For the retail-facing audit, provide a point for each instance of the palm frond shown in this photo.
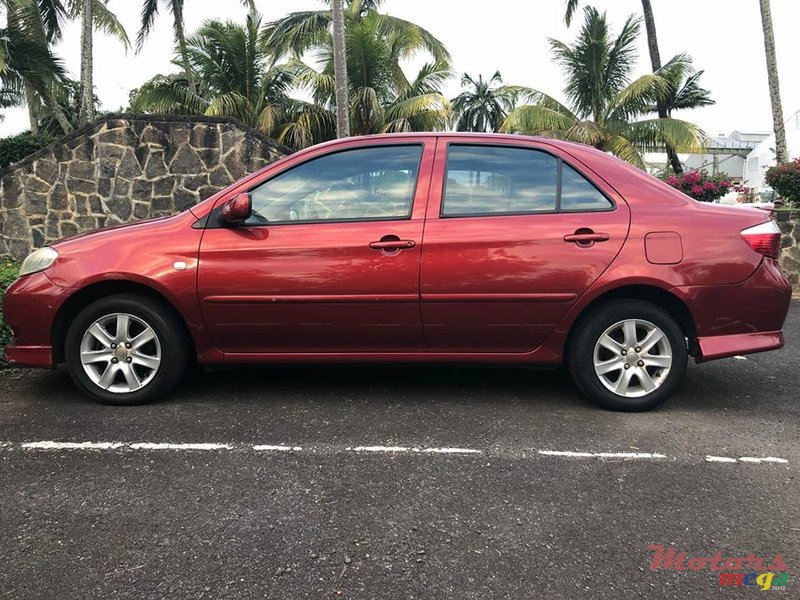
(652, 133)
(107, 22)
(534, 119)
(623, 149)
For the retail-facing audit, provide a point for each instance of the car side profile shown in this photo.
(413, 248)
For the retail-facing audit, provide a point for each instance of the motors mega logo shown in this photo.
(749, 571)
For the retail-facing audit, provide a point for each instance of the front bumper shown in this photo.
(30, 305)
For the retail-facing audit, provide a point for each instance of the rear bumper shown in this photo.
(724, 346)
(740, 319)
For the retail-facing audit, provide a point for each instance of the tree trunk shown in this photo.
(30, 100)
(655, 62)
(781, 151)
(340, 71)
(63, 122)
(181, 36)
(652, 36)
(87, 81)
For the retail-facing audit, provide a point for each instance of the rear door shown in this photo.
(329, 262)
(516, 233)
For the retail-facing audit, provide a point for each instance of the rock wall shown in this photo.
(789, 222)
(123, 168)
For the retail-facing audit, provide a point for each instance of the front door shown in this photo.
(329, 261)
(515, 235)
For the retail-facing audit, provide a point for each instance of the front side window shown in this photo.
(490, 180)
(376, 183)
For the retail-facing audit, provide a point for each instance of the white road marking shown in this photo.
(740, 357)
(767, 459)
(720, 459)
(569, 454)
(72, 445)
(151, 446)
(451, 451)
(332, 449)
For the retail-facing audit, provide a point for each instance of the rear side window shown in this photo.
(486, 180)
(578, 194)
(496, 180)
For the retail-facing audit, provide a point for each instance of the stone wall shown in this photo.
(789, 222)
(123, 168)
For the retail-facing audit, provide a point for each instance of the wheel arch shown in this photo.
(95, 291)
(647, 293)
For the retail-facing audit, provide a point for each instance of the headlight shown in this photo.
(38, 260)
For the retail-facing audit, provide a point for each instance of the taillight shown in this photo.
(764, 239)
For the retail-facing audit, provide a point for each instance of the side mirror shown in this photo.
(236, 210)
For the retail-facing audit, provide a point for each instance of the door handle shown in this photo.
(586, 237)
(392, 243)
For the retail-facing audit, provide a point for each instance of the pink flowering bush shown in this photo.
(785, 179)
(700, 185)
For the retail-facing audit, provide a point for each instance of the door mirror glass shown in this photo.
(236, 210)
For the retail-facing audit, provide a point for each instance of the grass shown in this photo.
(8, 273)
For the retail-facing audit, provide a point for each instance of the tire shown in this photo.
(103, 367)
(653, 374)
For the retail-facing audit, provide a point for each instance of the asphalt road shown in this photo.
(397, 482)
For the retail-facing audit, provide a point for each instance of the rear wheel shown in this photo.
(126, 349)
(628, 355)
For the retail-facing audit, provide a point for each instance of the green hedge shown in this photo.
(8, 273)
(17, 147)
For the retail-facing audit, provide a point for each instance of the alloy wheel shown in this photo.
(632, 358)
(120, 353)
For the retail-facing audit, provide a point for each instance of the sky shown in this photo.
(723, 36)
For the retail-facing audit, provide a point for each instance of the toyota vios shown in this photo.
(426, 247)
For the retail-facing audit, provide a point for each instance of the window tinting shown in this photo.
(363, 184)
(578, 194)
(486, 180)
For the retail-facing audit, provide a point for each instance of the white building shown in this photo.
(726, 154)
(763, 156)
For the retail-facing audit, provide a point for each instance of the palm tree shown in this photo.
(28, 70)
(149, 14)
(40, 22)
(87, 62)
(340, 71)
(684, 91)
(781, 151)
(605, 106)
(649, 22)
(655, 62)
(93, 15)
(300, 32)
(484, 104)
(382, 99)
(234, 77)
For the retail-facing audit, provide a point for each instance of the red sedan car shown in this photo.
(426, 247)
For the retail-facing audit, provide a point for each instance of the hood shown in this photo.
(97, 234)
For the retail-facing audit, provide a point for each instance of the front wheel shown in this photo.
(628, 355)
(126, 349)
